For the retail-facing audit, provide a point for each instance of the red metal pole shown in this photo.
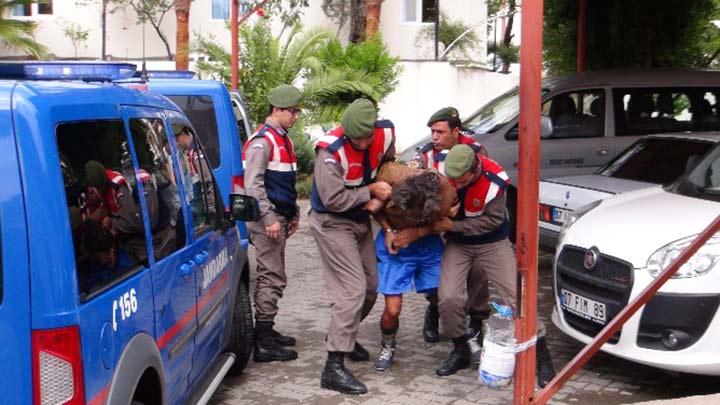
(582, 19)
(234, 48)
(527, 200)
(630, 309)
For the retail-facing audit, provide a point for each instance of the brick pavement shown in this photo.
(304, 313)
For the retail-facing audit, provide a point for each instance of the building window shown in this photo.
(32, 9)
(419, 11)
(221, 9)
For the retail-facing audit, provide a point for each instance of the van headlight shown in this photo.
(575, 215)
(702, 262)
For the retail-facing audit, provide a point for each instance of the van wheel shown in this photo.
(511, 207)
(241, 335)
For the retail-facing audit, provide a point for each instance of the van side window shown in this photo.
(160, 192)
(103, 204)
(1, 264)
(640, 111)
(201, 112)
(578, 114)
(198, 185)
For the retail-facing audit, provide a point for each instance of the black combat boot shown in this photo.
(475, 342)
(337, 378)
(459, 358)
(358, 353)
(543, 363)
(266, 348)
(283, 340)
(430, 327)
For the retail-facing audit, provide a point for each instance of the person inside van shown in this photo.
(115, 196)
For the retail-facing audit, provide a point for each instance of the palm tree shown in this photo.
(267, 61)
(19, 34)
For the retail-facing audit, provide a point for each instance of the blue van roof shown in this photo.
(97, 96)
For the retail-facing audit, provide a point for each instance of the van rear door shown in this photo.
(15, 368)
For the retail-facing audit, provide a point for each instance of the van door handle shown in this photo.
(187, 268)
(601, 152)
(201, 258)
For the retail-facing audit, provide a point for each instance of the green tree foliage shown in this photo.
(17, 34)
(333, 76)
(77, 35)
(640, 33)
(153, 12)
(450, 30)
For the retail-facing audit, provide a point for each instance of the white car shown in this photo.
(652, 160)
(612, 249)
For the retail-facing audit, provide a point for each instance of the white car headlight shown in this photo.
(703, 261)
(575, 215)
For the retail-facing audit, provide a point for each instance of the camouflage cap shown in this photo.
(284, 96)
(95, 173)
(459, 161)
(359, 119)
(448, 114)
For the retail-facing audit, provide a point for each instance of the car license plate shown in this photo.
(582, 306)
(560, 215)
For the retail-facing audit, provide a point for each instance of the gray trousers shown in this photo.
(271, 279)
(348, 256)
(492, 261)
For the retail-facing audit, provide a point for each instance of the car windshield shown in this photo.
(497, 113)
(704, 180)
(656, 160)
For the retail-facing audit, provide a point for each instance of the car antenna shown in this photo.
(143, 72)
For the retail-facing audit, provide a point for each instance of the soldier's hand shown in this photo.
(454, 209)
(443, 225)
(373, 206)
(273, 231)
(380, 190)
(406, 236)
(292, 228)
(390, 242)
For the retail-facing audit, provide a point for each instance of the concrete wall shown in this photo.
(426, 87)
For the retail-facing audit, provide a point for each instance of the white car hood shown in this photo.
(634, 225)
(600, 183)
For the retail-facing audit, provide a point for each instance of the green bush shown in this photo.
(304, 186)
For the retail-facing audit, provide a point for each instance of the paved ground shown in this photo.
(304, 314)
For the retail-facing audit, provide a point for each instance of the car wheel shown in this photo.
(241, 335)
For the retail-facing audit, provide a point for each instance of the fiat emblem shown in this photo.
(591, 258)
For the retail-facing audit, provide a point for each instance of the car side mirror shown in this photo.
(244, 208)
(546, 127)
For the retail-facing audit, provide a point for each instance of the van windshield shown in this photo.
(704, 181)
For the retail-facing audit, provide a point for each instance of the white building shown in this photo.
(425, 85)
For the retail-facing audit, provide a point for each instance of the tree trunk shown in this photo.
(372, 17)
(357, 21)
(103, 29)
(507, 36)
(182, 37)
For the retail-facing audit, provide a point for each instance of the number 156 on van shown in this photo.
(127, 305)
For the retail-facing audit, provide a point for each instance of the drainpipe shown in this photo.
(437, 27)
(526, 244)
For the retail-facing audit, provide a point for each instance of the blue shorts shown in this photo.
(417, 264)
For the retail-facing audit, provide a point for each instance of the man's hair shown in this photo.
(454, 122)
(95, 238)
(419, 196)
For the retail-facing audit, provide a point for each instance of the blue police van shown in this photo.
(121, 271)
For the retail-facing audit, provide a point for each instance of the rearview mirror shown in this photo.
(546, 127)
(244, 208)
